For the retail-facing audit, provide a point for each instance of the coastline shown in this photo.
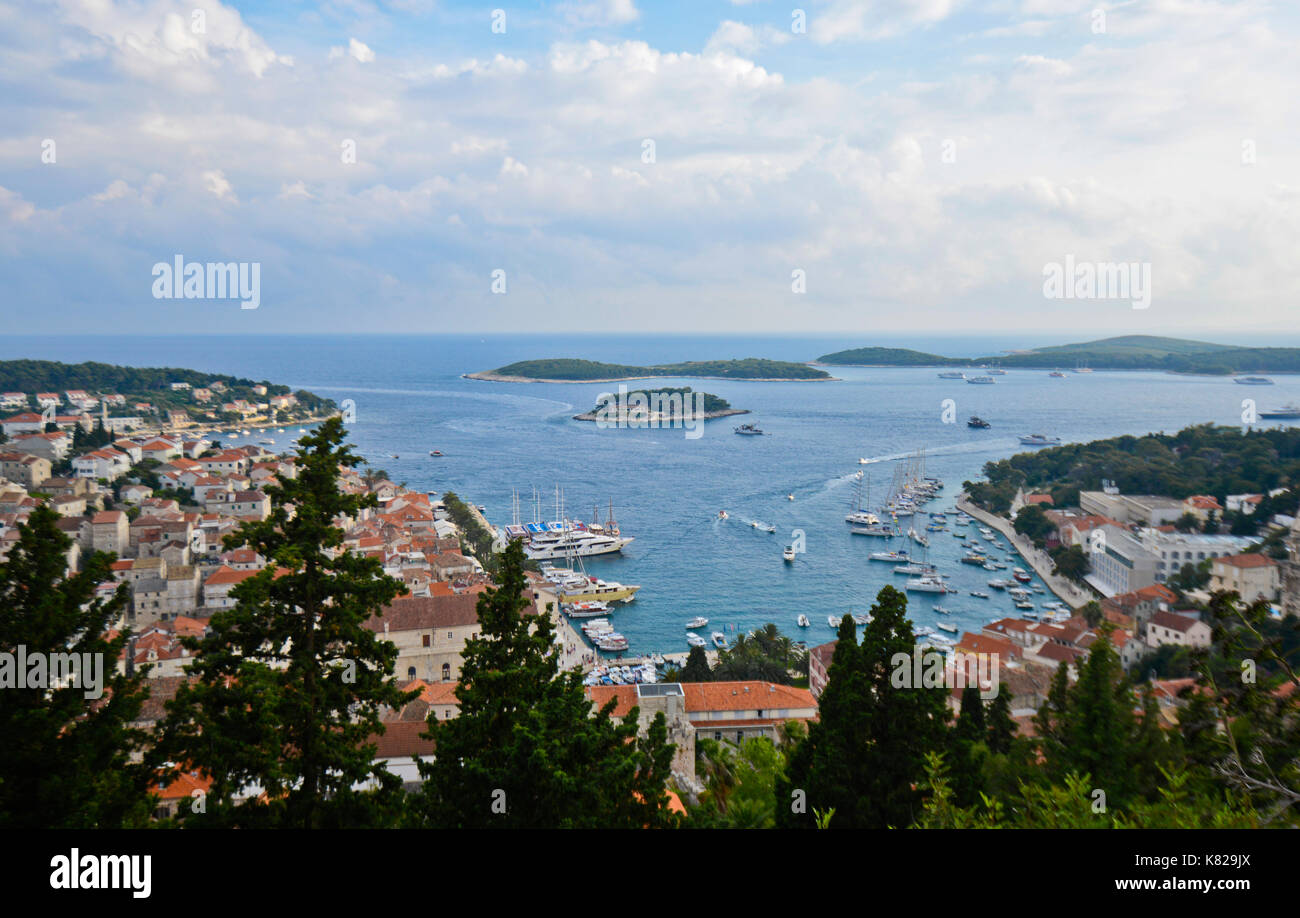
(488, 376)
(670, 420)
(260, 425)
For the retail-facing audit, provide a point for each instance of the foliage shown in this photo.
(749, 368)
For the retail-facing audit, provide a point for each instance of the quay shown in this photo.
(1041, 563)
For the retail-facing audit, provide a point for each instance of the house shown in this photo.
(217, 587)
(160, 449)
(1243, 503)
(107, 463)
(1201, 506)
(134, 493)
(430, 634)
(1251, 576)
(26, 470)
(1171, 628)
(27, 422)
(225, 462)
(48, 399)
(53, 446)
(239, 503)
(110, 531)
(11, 400)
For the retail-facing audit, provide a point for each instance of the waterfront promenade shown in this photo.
(1067, 592)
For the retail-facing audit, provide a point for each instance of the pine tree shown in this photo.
(65, 759)
(290, 683)
(525, 750)
(696, 668)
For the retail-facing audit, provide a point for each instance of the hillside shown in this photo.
(573, 370)
(1127, 352)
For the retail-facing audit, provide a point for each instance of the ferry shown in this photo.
(1040, 440)
(698, 622)
(1253, 381)
(803, 622)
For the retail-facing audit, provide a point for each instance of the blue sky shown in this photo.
(917, 162)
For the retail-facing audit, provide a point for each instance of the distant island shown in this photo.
(753, 369)
(1128, 352)
(662, 405)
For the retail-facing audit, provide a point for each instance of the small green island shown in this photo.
(1126, 352)
(655, 406)
(753, 369)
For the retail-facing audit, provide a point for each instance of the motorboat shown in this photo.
(1253, 381)
(944, 626)
(722, 514)
(695, 640)
(978, 423)
(980, 380)
(788, 554)
(789, 497)
(435, 452)
(698, 622)
(834, 622)
(1285, 413)
(930, 584)
(749, 430)
(719, 640)
(980, 593)
(802, 621)
(1040, 440)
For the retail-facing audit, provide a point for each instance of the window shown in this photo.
(410, 672)
(740, 737)
(427, 639)
(449, 635)
(446, 672)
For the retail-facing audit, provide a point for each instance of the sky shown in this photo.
(856, 166)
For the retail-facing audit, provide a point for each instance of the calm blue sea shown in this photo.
(667, 489)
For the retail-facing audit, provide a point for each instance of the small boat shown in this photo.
(980, 380)
(952, 374)
(1057, 374)
(1024, 605)
(394, 456)
(899, 557)
(941, 610)
(1021, 574)
(788, 554)
(944, 626)
(980, 593)
(719, 640)
(862, 618)
(926, 585)
(1040, 440)
(694, 639)
(834, 622)
(698, 622)
(266, 442)
(435, 452)
(864, 462)
(722, 514)
(978, 423)
(789, 497)
(923, 631)
(749, 430)
(1253, 381)
(802, 621)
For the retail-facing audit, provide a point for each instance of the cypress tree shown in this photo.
(290, 683)
(525, 750)
(65, 759)
(1002, 728)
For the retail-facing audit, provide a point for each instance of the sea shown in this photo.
(501, 439)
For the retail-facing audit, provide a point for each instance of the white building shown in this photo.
(1174, 549)
(1120, 564)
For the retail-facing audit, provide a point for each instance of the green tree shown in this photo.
(290, 683)
(66, 760)
(1002, 727)
(1070, 562)
(526, 750)
(696, 668)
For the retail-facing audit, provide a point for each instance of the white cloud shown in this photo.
(871, 20)
(357, 50)
(599, 13)
(218, 185)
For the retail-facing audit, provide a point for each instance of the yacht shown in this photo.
(749, 430)
(917, 569)
(980, 380)
(834, 622)
(1040, 440)
(590, 589)
(931, 584)
(788, 554)
(698, 622)
(999, 584)
(1021, 574)
(719, 640)
(694, 639)
(803, 622)
(974, 557)
(900, 557)
(944, 626)
(581, 610)
(1057, 374)
(1286, 412)
(435, 452)
(978, 422)
(980, 593)
(952, 374)
(873, 528)
(1253, 381)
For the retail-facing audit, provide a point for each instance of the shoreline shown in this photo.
(657, 418)
(187, 431)
(489, 376)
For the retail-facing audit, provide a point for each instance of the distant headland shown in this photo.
(751, 369)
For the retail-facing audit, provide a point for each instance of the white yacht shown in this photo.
(698, 622)
(803, 621)
(694, 639)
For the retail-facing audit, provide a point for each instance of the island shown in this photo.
(661, 406)
(1127, 352)
(751, 369)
